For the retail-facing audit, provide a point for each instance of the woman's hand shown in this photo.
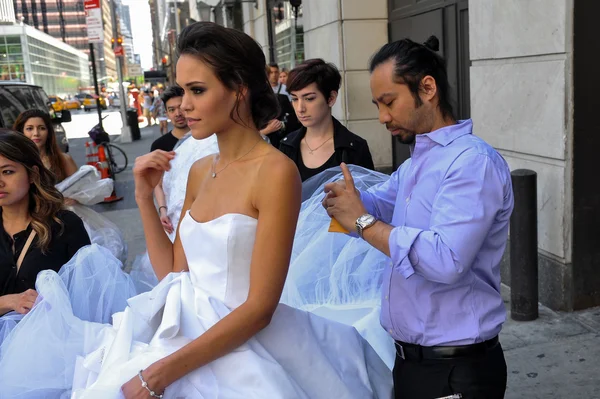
(166, 220)
(22, 303)
(148, 171)
(273, 126)
(133, 388)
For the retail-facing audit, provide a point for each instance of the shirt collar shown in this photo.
(448, 134)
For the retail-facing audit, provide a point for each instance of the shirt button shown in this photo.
(407, 199)
(390, 331)
(386, 298)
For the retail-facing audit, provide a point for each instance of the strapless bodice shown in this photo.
(219, 253)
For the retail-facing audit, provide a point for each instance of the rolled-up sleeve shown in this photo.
(463, 212)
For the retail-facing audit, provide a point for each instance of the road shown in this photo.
(83, 122)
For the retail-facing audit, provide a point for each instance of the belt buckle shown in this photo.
(398, 346)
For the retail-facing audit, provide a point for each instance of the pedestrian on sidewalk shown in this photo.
(147, 103)
(442, 218)
(160, 113)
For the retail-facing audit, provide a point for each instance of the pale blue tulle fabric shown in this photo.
(332, 275)
(91, 287)
(335, 275)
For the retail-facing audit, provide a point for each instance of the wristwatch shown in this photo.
(364, 222)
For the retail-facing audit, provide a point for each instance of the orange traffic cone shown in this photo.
(103, 163)
(94, 155)
(88, 154)
(105, 173)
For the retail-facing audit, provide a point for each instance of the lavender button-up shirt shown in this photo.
(450, 205)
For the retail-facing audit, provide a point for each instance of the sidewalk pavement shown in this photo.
(123, 213)
(555, 356)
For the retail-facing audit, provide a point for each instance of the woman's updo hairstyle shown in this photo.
(237, 61)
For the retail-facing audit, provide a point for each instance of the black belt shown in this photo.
(418, 352)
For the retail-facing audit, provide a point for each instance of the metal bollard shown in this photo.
(524, 247)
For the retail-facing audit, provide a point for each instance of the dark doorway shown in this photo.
(449, 21)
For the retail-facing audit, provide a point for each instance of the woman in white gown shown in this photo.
(174, 183)
(213, 327)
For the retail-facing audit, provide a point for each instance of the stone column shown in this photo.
(522, 104)
(347, 33)
(255, 24)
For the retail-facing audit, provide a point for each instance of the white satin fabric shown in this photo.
(299, 355)
(175, 179)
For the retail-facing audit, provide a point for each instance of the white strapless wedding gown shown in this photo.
(299, 355)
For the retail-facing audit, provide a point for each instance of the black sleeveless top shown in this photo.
(306, 172)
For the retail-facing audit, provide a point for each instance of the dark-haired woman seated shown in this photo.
(37, 126)
(323, 142)
(36, 233)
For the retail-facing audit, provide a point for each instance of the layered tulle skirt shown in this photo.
(53, 353)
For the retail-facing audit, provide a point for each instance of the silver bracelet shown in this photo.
(145, 385)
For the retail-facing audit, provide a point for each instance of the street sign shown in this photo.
(119, 51)
(93, 18)
(134, 70)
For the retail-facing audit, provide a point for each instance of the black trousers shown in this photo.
(481, 376)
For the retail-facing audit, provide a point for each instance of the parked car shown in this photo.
(72, 103)
(89, 102)
(57, 103)
(17, 97)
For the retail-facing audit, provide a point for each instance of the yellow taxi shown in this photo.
(57, 103)
(88, 101)
(72, 104)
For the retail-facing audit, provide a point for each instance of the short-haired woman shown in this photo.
(36, 233)
(323, 142)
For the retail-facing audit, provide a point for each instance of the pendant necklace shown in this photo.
(311, 150)
(214, 172)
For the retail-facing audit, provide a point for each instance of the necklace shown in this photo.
(311, 150)
(214, 165)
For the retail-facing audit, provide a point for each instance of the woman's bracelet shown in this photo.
(162, 206)
(145, 385)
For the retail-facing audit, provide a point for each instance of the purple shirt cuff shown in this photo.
(404, 258)
(367, 201)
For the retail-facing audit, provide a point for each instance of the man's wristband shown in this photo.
(163, 206)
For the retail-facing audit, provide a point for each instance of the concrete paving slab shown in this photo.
(564, 368)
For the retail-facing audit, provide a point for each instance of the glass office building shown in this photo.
(28, 55)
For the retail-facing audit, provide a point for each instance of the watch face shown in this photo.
(365, 220)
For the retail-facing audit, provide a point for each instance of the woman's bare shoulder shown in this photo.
(203, 164)
(278, 168)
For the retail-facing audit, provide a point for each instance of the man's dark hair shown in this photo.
(171, 92)
(414, 61)
(273, 65)
(325, 75)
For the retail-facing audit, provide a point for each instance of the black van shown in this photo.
(17, 97)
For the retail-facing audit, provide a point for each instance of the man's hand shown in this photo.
(165, 220)
(273, 126)
(342, 201)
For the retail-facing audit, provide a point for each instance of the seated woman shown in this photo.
(36, 125)
(323, 142)
(36, 233)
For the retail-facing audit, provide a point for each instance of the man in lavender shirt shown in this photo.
(442, 218)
